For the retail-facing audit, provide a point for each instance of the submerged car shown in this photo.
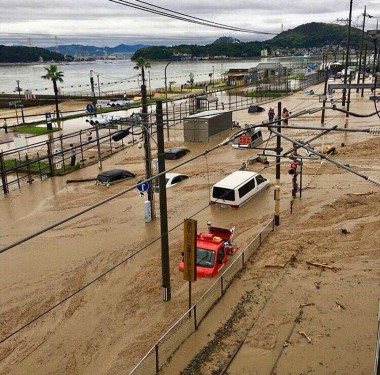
(255, 109)
(175, 153)
(113, 176)
(174, 178)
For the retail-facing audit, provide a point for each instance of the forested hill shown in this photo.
(21, 54)
(306, 36)
(317, 34)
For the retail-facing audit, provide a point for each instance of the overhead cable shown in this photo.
(187, 18)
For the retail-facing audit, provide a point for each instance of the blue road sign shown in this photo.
(90, 108)
(142, 186)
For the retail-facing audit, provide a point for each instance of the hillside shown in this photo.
(21, 54)
(93, 51)
(306, 36)
(316, 34)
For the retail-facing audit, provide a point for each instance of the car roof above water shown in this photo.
(111, 172)
(236, 179)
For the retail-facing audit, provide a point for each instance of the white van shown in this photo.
(237, 188)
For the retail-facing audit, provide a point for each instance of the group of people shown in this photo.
(284, 115)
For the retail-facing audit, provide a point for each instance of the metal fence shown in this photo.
(165, 347)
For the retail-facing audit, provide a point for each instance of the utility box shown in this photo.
(203, 126)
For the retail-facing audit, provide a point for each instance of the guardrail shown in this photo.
(189, 322)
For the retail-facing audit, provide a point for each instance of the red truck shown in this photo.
(213, 248)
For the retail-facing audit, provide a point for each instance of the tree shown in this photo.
(54, 75)
(142, 64)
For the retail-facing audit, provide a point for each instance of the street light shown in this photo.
(166, 99)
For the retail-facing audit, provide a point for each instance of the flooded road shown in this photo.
(113, 256)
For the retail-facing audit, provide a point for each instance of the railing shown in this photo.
(189, 322)
(56, 156)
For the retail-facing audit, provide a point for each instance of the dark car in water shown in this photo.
(255, 109)
(175, 153)
(113, 176)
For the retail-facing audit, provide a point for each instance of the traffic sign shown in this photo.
(90, 108)
(142, 186)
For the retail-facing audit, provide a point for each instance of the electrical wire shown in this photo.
(186, 18)
(204, 153)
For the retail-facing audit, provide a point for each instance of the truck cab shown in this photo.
(213, 249)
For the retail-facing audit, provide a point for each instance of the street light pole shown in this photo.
(100, 165)
(150, 89)
(19, 95)
(166, 100)
(347, 56)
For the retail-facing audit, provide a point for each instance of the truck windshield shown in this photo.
(205, 258)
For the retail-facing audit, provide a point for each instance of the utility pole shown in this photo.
(324, 95)
(166, 99)
(361, 48)
(19, 89)
(347, 55)
(147, 149)
(98, 85)
(96, 125)
(277, 187)
(166, 291)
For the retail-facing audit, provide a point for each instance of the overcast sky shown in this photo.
(104, 23)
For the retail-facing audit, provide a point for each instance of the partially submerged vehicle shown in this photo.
(213, 249)
(249, 138)
(103, 120)
(121, 102)
(175, 153)
(113, 176)
(174, 178)
(237, 188)
(255, 109)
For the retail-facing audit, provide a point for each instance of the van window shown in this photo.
(246, 188)
(260, 179)
(223, 193)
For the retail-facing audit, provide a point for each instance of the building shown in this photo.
(203, 126)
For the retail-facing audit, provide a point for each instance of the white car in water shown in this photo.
(120, 102)
(174, 178)
(103, 120)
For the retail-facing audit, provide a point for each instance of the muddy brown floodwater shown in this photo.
(107, 327)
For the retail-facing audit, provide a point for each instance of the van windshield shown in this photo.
(205, 258)
(223, 193)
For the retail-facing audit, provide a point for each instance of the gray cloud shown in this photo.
(101, 22)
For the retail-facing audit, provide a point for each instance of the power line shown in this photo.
(204, 153)
(186, 18)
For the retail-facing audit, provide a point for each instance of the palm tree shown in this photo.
(142, 64)
(53, 74)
